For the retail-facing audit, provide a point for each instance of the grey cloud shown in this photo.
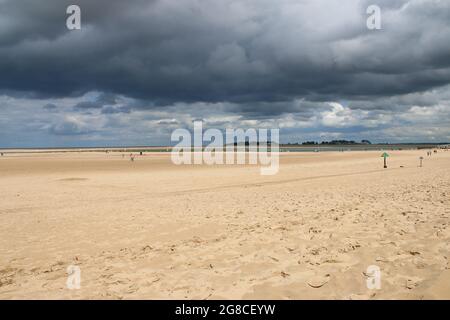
(50, 106)
(168, 122)
(69, 127)
(86, 105)
(114, 110)
(107, 99)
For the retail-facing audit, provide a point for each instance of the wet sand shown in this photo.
(149, 229)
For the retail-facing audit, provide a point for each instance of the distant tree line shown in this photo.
(332, 142)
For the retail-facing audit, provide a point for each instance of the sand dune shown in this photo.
(149, 229)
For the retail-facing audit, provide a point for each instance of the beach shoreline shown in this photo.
(149, 229)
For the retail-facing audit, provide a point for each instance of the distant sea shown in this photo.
(368, 147)
(283, 148)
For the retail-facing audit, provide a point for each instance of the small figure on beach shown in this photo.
(131, 157)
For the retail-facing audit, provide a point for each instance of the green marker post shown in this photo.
(385, 155)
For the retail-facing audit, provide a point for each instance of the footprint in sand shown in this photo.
(319, 281)
(73, 179)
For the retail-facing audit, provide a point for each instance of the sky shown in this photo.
(137, 70)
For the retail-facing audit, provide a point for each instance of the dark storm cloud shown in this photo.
(309, 67)
(262, 110)
(252, 53)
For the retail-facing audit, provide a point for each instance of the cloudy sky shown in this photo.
(139, 69)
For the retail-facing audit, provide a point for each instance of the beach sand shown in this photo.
(151, 230)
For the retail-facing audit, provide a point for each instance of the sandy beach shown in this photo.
(151, 230)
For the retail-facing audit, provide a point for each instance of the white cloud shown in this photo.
(340, 116)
